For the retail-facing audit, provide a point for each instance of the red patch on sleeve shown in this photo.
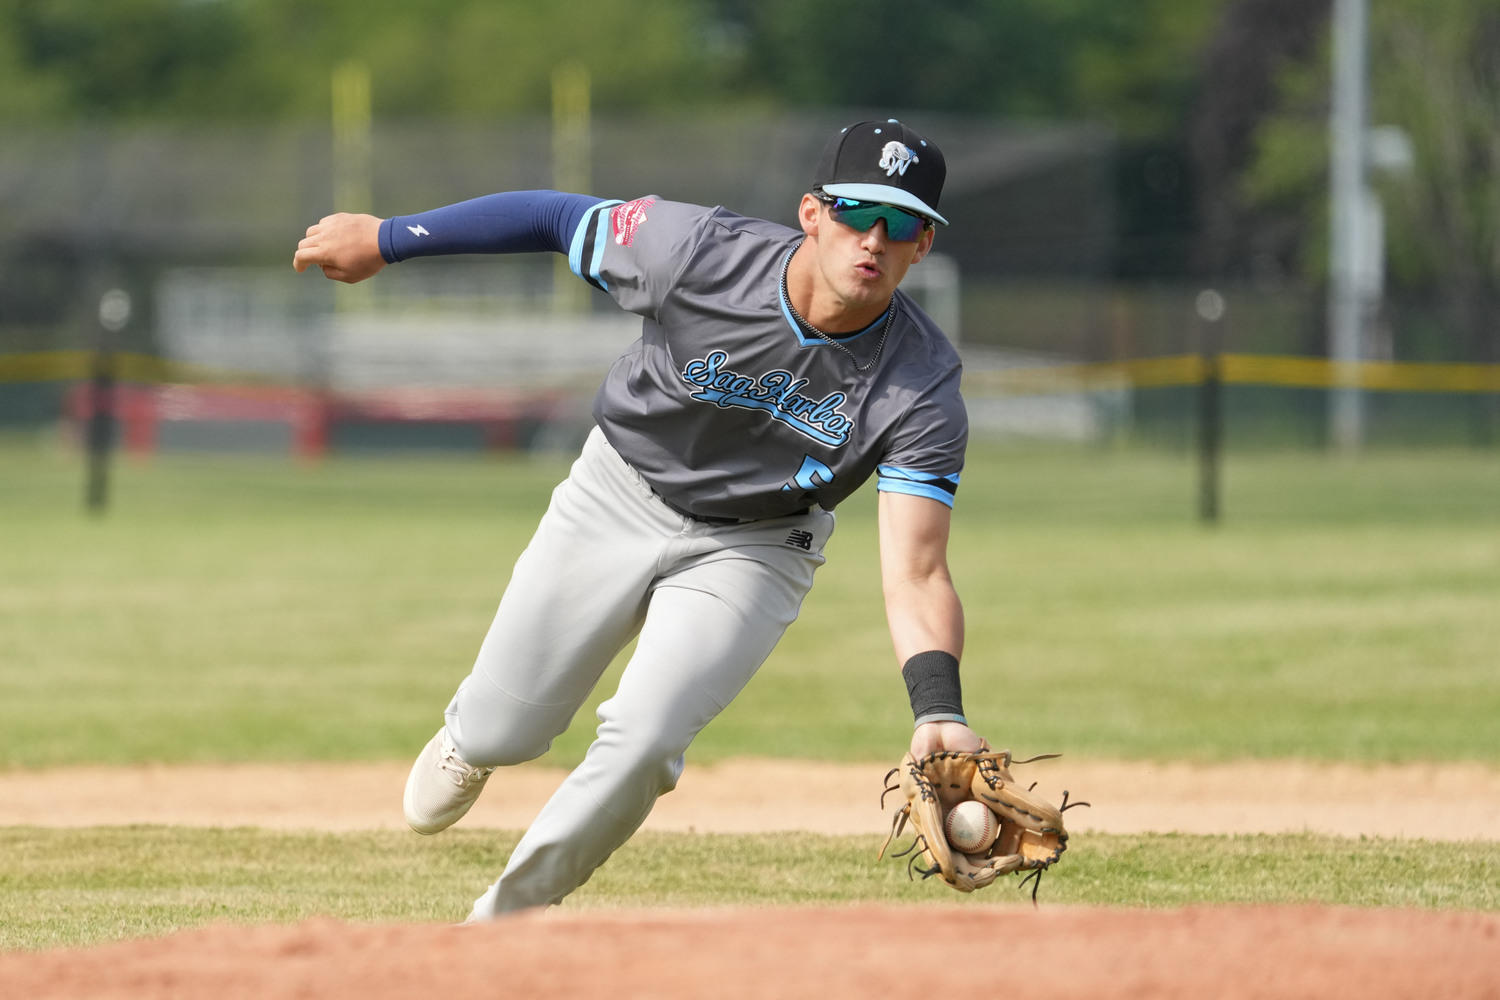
(627, 218)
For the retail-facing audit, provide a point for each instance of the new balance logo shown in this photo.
(417, 230)
(800, 539)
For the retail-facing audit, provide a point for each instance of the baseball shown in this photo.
(971, 827)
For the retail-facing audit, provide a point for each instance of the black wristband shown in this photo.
(933, 685)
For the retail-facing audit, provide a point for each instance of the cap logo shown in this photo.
(896, 157)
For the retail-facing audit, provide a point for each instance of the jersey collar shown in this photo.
(808, 339)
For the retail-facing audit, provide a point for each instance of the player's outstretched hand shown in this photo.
(346, 247)
(930, 737)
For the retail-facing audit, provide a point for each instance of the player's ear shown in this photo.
(924, 245)
(807, 214)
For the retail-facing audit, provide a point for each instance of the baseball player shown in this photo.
(777, 370)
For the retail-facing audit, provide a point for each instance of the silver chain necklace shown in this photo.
(890, 315)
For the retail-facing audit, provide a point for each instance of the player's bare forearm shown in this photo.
(921, 604)
(346, 247)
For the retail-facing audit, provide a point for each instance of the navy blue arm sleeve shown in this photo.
(512, 222)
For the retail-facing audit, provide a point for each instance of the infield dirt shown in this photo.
(754, 795)
(829, 954)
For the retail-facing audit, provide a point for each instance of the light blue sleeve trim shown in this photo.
(896, 472)
(599, 240)
(575, 249)
(942, 496)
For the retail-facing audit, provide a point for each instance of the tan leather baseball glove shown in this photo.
(1031, 838)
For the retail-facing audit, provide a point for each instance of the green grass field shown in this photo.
(244, 609)
(255, 610)
(68, 887)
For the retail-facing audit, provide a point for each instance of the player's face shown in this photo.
(862, 269)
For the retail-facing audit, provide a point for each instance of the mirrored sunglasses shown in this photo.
(900, 225)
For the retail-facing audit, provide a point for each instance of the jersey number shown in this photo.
(812, 475)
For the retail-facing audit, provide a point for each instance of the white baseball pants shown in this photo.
(610, 560)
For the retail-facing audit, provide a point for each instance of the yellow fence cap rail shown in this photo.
(1287, 371)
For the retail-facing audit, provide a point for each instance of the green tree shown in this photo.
(1435, 72)
(1438, 77)
(112, 59)
(1133, 64)
(216, 59)
(489, 57)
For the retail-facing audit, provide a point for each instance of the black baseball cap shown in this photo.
(883, 161)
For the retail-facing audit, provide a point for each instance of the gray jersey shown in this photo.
(727, 405)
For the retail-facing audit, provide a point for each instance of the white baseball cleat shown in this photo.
(441, 787)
